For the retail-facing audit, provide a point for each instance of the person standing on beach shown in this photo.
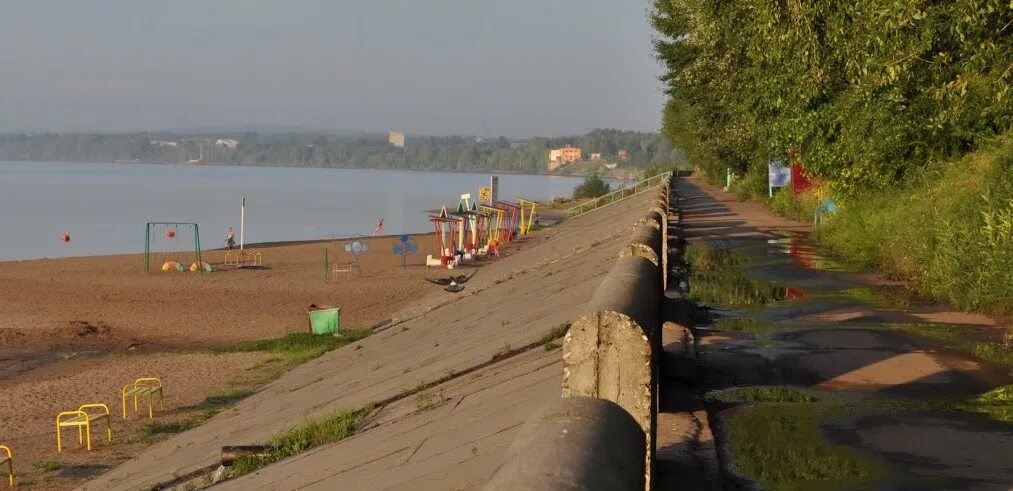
(230, 240)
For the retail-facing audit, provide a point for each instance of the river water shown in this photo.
(104, 207)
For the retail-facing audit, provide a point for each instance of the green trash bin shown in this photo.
(324, 319)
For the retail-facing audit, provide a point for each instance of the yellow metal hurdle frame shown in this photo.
(9, 459)
(144, 386)
(496, 220)
(255, 258)
(82, 420)
(527, 222)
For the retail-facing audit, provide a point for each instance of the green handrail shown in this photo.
(618, 195)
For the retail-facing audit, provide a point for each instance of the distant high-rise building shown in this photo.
(397, 139)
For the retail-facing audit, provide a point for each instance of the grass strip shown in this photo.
(211, 405)
(302, 437)
(297, 348)
(961, 338)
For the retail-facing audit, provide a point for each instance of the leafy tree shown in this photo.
(863, 93)
(592, 187)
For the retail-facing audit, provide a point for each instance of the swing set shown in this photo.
(182, 260)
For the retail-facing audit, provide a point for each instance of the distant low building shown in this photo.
(227, 143)
(621, 154)
(559, 157)
(595, 157)
(397, 139)
(165, 143)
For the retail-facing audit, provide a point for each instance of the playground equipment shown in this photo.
(355, 249)
(405, 246)
(82, 418)
(467, 231)
(144, 386)
(448, 230)
(528, 208)
(513, 211)
(496, 224)
(7, 457)
(242, 258)
(170, 232)
(202, 266)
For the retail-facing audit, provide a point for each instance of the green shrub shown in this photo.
(951, 235)
(592, 187)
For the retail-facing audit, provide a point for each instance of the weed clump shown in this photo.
(717, 279)
(301, 438)
(297, 348)
(996, 404)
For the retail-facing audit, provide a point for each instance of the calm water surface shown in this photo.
(103, 207)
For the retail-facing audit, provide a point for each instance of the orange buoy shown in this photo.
(170, 234)
(64, 238)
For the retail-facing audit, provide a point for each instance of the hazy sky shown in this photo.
(482, 67)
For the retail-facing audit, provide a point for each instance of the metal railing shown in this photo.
(618, 195)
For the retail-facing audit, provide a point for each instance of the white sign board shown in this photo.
(778, 175)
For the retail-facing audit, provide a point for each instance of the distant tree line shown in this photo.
(643, 150)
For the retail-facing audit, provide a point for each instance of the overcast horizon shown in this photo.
(446, 67)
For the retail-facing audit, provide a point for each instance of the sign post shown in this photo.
(494, 185)
(778, 175)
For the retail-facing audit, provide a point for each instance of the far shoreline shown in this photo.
(279, 165)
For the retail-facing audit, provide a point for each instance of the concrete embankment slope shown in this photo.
(455, 434)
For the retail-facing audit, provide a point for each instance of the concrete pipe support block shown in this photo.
(612, 352)
(575, 443)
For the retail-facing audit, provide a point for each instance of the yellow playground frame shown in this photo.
(497, 218)
(9, 459)
(253, 258)
(144, 386)
(82, 420)
(526, 222)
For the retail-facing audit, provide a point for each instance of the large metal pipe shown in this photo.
(233, 452)
(576, 443)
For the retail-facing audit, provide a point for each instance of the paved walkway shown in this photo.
(844, 347)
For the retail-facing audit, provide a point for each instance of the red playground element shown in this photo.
(170, 234)
(512, 217)
(64, 238)
(447, 230)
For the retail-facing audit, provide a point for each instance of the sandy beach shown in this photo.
(75, 330)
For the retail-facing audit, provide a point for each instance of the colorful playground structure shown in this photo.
(183, 259)
(476, 230)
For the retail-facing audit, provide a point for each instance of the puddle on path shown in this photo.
(777, 312)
